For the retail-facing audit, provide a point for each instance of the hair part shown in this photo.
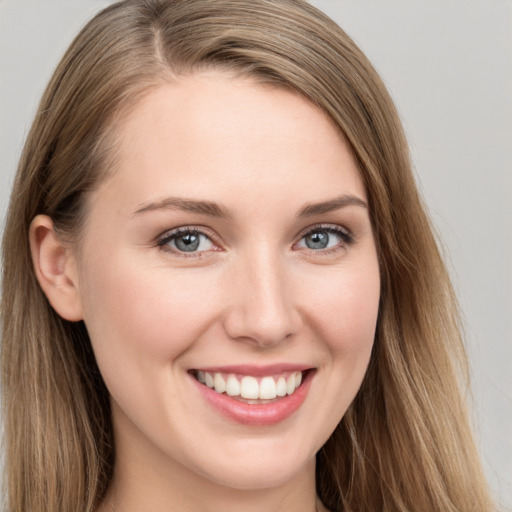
(405, 443)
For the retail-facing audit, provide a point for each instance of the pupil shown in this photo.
(318, 240)
(188, 242)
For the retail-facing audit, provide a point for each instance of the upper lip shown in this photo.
(256, 370)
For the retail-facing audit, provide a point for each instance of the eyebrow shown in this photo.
(188, 205)
(215, 210)
(331, 205)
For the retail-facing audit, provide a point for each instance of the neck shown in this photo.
(133, 493)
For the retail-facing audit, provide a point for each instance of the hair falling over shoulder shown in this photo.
(405, 443)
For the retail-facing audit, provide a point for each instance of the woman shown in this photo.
(221, 291)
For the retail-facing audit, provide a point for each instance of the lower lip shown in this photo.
(257, 414)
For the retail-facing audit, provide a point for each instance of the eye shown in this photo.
(186, 240)
(325, 238)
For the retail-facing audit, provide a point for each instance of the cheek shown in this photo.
(135, 315)
(345, 311)
(342, 312)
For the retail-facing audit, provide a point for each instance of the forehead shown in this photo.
(220, 134)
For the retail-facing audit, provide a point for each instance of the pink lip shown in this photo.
(256, 414)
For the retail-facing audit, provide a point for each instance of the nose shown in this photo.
(262, 304)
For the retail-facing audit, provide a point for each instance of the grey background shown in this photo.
(448, 66)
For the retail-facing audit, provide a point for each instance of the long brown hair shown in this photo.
(405, 442)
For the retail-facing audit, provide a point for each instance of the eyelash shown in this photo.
(345, 236)
(169, 236)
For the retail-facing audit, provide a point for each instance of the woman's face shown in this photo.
(232, 247)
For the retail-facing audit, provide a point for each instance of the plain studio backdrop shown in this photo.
(448, 66)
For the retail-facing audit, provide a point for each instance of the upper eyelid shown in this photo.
(202, 230)
(325, 226)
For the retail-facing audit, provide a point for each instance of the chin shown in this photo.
(263, 471)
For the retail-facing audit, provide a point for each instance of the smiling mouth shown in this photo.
(251, 389)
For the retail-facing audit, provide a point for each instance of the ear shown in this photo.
(55, 268)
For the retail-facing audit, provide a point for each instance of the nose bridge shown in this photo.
(262, 308)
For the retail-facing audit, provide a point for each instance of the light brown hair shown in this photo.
(405, 443)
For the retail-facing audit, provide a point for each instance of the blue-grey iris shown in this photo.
(188, 242)
(317, 240)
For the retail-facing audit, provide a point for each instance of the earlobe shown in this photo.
(55, 268)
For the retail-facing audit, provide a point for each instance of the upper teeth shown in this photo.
(251, 387)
